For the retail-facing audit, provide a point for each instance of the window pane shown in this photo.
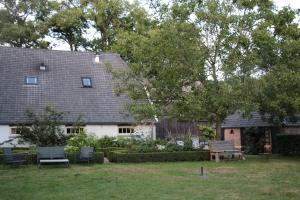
(87, 82)
(31, 80)
(13, 130)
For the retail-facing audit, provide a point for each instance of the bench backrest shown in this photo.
(8, 155)
(221, 146)
(86, 152)
(51, 153)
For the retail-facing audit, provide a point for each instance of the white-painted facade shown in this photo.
(145, 131)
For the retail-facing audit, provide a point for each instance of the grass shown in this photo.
(258, 177)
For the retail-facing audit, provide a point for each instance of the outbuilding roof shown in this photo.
(237, 120)
(59, 85)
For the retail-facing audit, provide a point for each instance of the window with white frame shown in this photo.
(126, 129)
(13, 130)
(72, 130)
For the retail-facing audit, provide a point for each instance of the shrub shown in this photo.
(208, 132)
(79, 140)
(125, 156)
(98, 157)
(46, 129)
(73, 157)
(253, 140)
(170, 147)
(188, 144)
(106, 141)
(109, 149)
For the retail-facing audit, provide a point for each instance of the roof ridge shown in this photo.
(56, 50)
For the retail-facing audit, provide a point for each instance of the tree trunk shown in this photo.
(218, 128)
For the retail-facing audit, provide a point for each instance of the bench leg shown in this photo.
(217, 157)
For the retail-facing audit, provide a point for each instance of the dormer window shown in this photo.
(31, 80)
(86, 82)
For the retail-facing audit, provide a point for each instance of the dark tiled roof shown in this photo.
(59, 86)
(237, 120)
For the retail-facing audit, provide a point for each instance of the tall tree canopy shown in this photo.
(278, 44)
(232, 61)
(21, 23)
(110, 17)
(68, 23)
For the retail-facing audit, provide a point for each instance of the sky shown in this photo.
(292, 3)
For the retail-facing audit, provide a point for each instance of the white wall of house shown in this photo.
(145, 131)
(102, 130)
(5, 135)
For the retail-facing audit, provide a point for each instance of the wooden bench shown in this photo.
(224, 150)
(51, 155)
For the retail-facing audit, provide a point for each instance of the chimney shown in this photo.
(42, 67)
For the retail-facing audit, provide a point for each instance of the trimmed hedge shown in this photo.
(109, 149)
(124, 156)
(288, 144)
(73, 158)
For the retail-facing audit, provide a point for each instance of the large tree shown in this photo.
(222, 73)
(277, 41)
(164, 66)
(21, 23)
(109, 17)
(68, 23)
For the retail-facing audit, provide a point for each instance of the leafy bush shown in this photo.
(123, 156)
(46, 128)
(208, 132)
(188, 144)
(147, 146)
(106, 141)
(253, 140)
(109, 149)
(98, 157)
(170, 147)
(79, 140)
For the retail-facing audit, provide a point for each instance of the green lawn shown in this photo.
(256, 178)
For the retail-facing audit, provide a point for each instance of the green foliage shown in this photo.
(98, 157)
(208, 132)
(188, 144)
(120, 157)
(45, 129)
(17, 28)
(172, 63)
(253, 140)
(170, 147)
(106, 141)
(109, 18)
(79, 140)
(107, 150)
(68, 23)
